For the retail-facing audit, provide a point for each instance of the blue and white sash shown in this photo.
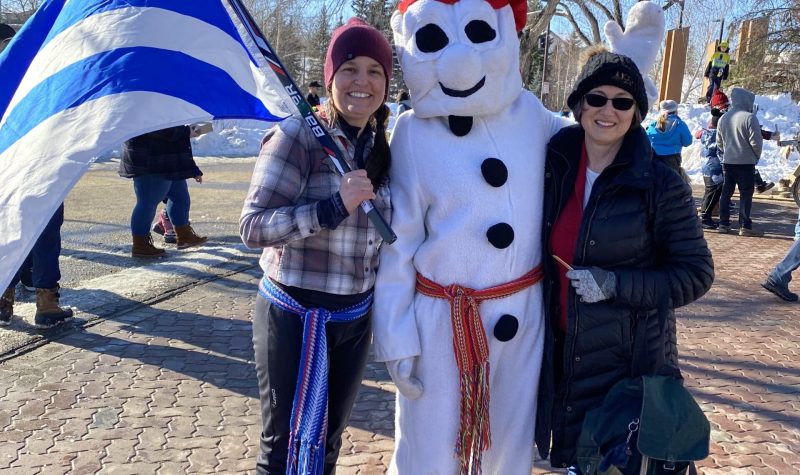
(309, 423)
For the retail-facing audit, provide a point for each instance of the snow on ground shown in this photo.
(231, 138)
(242, 138)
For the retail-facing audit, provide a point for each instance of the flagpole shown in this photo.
(304, 108)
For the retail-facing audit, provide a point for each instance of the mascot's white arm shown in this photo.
(641, 41)
(395, 333)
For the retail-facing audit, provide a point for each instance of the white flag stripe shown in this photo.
(83, 131)
(136, 27)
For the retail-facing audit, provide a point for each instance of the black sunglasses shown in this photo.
(619, 103)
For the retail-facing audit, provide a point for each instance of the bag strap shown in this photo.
(641, 359)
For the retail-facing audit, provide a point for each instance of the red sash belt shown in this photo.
(472, 356)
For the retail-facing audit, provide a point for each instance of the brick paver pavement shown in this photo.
(171, 389)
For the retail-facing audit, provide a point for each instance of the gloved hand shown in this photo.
(400, 371)
(593, 284)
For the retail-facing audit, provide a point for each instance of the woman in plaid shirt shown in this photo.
(320, 257)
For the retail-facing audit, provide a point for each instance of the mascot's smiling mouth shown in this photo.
(465, 93)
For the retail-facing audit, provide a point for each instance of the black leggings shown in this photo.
(711, 196)
(277, 340)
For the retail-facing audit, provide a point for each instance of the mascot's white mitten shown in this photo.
(641, 40)
(400, 371)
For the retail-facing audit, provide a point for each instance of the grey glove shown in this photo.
(593, 284)
(400, 371)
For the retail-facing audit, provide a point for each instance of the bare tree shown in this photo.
(21, 6)
(773, 66)
(588, 16)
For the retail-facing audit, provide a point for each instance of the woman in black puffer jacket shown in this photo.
(627, 227)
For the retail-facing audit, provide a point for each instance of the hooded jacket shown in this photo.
(739, 137)
(675, 136)
(639, 223)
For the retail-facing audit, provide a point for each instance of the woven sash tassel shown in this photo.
(308, 425)
(471, 350)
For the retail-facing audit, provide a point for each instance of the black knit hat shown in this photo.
(610, 69)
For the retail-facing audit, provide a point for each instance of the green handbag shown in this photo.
(647, 424)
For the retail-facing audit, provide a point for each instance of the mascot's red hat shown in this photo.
(519, 7)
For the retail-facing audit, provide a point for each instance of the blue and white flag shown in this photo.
(82, 76)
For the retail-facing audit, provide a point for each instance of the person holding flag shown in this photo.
(312, 322)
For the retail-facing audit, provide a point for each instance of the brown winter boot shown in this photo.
(187, 237)
(143, 247)
(48, 312)
(7, 306)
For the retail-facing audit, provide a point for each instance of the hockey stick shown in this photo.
(328, 145)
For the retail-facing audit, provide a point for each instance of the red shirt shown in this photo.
(565, 235)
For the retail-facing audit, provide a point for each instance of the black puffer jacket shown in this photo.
(166, 152)
(640, 223)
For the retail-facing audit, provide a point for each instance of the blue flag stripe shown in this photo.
(144, 69)
(23, 48)
(208, 11)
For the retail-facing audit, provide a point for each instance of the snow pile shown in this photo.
(242, 138)
(776, 112)
(231, 138)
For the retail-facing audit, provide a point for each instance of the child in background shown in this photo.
(712, 170)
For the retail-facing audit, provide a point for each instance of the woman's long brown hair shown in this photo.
(380, 157)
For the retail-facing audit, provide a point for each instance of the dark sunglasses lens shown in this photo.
(596, 100)
(622, 103)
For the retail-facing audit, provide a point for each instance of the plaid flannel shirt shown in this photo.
(291, 176)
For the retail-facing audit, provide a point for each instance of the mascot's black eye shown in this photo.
(478, 31)
(430, 38)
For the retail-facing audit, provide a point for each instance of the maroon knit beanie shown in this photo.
(357, 38)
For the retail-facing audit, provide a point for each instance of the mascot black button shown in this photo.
(501, 235)
(494, 172)
(506, 327)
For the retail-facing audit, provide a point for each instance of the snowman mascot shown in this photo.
(458, 315)
(458, 309)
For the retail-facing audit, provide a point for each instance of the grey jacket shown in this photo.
(739, 133)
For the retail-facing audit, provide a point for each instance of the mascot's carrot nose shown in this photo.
(459, 67)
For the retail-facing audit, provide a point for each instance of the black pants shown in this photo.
(673, 161)
(711, 197)
(758, 180)
(714, 83)
(742, 176)
(277, 339)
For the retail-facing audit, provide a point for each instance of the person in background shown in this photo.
(629, 246)
(712, 170)
(740, 142)
(717, 69)
(159, 163)
(45, 275)
(320, 256)
(668, 135)
(720, 101)
(761, 184)
(403, 102)
(164, 227)
(313, 94)
(778, 279)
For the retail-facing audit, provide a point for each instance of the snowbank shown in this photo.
(242, 138)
